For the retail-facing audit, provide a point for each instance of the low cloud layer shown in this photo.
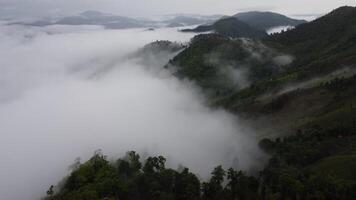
(67, 91)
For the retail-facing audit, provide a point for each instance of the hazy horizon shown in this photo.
(140, 8)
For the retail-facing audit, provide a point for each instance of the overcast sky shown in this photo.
(160, 7)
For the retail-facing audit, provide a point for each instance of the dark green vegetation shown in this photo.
(230, 27)
(266, 20)
(128, 178)
(306, 110)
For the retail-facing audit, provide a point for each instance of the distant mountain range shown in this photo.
(111, 21)
(94, 18)
(257, 20)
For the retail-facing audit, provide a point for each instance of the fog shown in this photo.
(279, 29)
(68, 91)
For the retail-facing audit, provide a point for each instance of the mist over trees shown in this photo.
(316, 160)
(232, 115)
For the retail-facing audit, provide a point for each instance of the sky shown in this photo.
(34, 8)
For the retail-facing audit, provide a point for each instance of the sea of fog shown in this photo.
(66, 91)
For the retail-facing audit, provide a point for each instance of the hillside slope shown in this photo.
(311, 103)
(221, 65)
(280, 98)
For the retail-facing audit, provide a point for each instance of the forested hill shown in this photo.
(308, 98)
(221, 65)
(330, 35)
(128, 178)
(297, 89)
(267, 20)
(230, 27)
(323, 44)
(338, 24)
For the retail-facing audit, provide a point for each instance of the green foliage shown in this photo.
(125, 179)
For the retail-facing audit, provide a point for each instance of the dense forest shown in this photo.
(308, 100)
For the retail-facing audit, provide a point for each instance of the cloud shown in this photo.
(56, 106)
(283, 60)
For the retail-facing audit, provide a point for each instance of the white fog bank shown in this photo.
(68, 91)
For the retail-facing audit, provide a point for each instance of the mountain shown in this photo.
(189, 20)
(267, 20)
(230, 27)
(337, 25)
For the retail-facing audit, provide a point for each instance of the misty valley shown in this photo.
(249, 106)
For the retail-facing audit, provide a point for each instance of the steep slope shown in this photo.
(338, 24)
(324, 50)
(230, 27)
(266, 20)
(314, 97)
(323, 45)
(287, 97)
(220, 64)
